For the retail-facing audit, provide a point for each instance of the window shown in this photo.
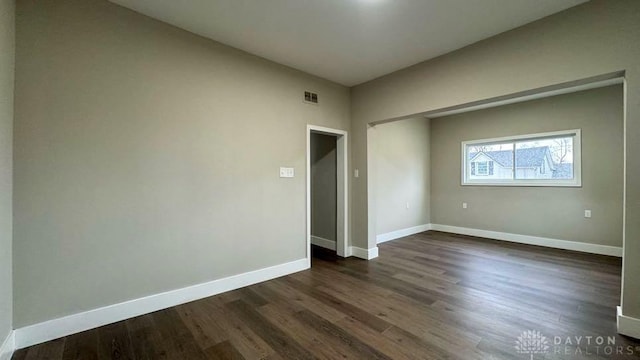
(482, 168)
(546, 159)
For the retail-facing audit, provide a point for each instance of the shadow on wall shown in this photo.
(324, 186)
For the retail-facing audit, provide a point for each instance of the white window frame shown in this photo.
(577, 161)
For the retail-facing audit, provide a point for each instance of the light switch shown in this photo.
(587, 213)
(287, 172)
(356, 173)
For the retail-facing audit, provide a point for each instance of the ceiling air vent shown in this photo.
(311, 98)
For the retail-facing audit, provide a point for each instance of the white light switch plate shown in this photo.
(287, 172)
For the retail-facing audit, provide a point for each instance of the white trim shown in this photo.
(402, 233)
(371, 170)
(308, 197)
(361, 253)
(625, 101)
(627, 325)
(56, 328)
(325, 130)
(8, 346)
(540, 95)
(342, 214)
(532, 240)
(577, 161)
(322, 242)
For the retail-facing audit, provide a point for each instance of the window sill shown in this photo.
(572, 184)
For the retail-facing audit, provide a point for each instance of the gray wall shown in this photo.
(598, 37)
(554, 212)
(323, 186)
(147, 158)
(6, 167)
(402, 167)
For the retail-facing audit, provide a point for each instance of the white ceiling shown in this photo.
(348, 41)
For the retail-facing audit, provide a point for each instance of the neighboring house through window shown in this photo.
(482, 168)
(546, 159)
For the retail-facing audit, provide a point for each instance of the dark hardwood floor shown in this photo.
(428, 296)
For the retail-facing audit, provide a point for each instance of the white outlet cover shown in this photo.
(287, 172)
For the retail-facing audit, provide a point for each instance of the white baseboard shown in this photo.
(56, 328)
(628, 326)
(533, 240)
(8, 346)
(358, 252)
(322, 242)
(361, 253)
(402, 233)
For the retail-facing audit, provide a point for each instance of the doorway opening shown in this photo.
(327, 201)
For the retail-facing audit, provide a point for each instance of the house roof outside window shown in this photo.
(526, 157)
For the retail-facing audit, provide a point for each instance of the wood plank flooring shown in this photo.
(428, 296)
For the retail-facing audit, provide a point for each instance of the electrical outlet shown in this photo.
(356, 173)
(587, 213)
(287, 172)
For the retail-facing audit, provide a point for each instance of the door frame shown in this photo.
(342, 188)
